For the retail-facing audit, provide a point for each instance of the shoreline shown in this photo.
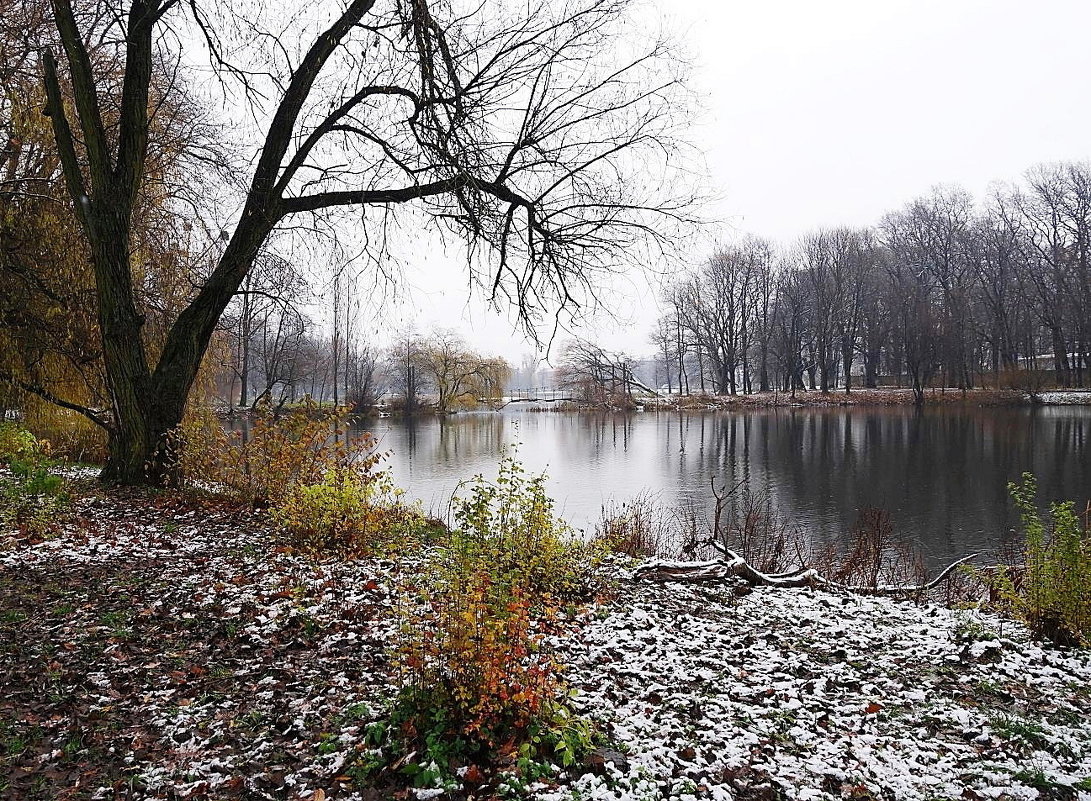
(699, 402)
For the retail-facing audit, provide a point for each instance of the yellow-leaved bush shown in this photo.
(273, 452)
(353, 511)
(320, 483)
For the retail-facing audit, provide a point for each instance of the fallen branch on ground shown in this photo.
(733, 565)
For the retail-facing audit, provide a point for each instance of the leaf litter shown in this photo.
(164, 647)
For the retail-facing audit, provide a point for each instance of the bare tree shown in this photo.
(363, 383)
(266, 323)
(403, 370)
(515, 127)
(599, 376)
(790, 323)
(1057, 212)
(726, 302)
(665, 341)
(877, 311)
(999, 260)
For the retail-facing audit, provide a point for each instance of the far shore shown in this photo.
(702, 402)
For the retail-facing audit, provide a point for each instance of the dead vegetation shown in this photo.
(750, 538)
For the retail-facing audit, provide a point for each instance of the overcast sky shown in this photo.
(828, 112)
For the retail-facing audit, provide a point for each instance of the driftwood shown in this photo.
(733, 565)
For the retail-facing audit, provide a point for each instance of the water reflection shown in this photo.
(942, 474)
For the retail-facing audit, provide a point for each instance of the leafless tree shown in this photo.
(1056, 209)
(722, 300)
(265, 323)
(532, 132)
(599, 376)
(403, 369)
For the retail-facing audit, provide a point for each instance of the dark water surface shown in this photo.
(942, 474)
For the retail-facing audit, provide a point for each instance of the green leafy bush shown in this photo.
(478, 685)
(351, 512)
(509, 525)
(18, 445)
(32, 499)
(1052, 591)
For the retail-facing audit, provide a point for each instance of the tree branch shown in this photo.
(734, 565)
(94, 415)
(85, 95)
(132, 146)
(327, 200)
(282, 126)
(62, 132)
(331, 121)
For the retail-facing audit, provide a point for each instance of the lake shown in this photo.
(942, 474)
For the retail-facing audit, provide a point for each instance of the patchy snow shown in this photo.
(799, 694)
(194, 659)
(1066, 398)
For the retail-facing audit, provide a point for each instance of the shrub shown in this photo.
(478, 685)
(276, 452)
(18, 445)
(69, 433)
(509, 526)
(873, 555)
(640, 527)
(320, 484)
(1052, 591)
(350, 512)
(749, 524)
(32, 499)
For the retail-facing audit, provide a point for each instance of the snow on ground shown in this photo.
(808, 695)
(162, 650)
(194, 658)
(1069, 398)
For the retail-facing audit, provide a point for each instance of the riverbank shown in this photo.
(700, 401)
(164, 647)
(887, 396)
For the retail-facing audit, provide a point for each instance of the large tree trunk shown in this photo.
(148, 407)
(132, 441)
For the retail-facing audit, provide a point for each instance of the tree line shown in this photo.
(274, 354)
(942, 292)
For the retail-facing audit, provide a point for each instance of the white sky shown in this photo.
(828, 112)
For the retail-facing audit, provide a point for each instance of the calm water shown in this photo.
(942, 474)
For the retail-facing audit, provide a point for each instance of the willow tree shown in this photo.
(534, 132)
(50, 347)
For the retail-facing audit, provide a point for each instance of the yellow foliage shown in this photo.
(269, 457)
(349, 513)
